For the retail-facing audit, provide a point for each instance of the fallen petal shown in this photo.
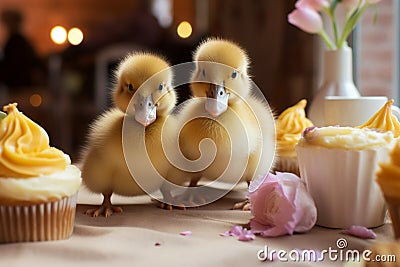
(246, 235)
(227, 233)
(360, 232)
(236, 230)
(186, 233)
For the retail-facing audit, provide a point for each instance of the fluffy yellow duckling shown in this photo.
(117, 136)
(225, 109)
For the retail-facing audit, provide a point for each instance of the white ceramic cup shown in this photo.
(354, 111)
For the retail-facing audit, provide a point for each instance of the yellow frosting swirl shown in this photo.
(289, 126)
(24, 147)
(383, 120)
(388, 176)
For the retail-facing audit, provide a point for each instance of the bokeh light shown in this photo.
(35, 100)
(75, 36)
(58, 34)
(184, 29)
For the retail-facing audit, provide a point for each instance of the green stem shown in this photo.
(335, 31)
(350, 24)
(326, 39)
(334, 24)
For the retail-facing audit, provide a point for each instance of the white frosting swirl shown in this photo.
(346, 138)
(42, 188)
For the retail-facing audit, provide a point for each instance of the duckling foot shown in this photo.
(243, 205)
(192, 199)
(165, 206)
(106, 209)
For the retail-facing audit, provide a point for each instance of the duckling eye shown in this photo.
(161, 86)
(234, 74)
(130, 87)
(203, 72)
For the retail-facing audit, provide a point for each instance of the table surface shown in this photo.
(144, 235)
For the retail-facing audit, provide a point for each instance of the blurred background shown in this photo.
(57, 56)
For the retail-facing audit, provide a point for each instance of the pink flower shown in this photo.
(350, 5)
(281, 205)
(306, 19)
(317, 5)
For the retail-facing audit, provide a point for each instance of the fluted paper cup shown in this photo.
(38, 222)
(286, 164)
(393, 204)
(342, 183)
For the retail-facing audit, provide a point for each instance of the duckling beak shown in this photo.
(145, 111)
(217, 99)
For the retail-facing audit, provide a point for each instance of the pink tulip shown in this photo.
(306, 19)
(317, 5)
(350, 5)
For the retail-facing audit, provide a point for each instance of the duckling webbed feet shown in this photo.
(192, 199)
(243, 205)
(106, 208)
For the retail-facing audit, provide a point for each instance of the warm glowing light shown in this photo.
(35, 100)
(184, 29)
(58, 34)
(75, 36)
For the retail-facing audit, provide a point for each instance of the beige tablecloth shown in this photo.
(144, 235)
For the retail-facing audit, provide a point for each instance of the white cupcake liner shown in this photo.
(342, 183)
(38, 222)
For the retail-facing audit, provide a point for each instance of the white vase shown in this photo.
(337, 81)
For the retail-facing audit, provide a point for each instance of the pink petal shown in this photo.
(256, 183)
(272, 206)
(227, 233)
(267, 231)
(236, 230)
(360, 231)
(186, 233)
(309, 134)
(246, 235)
(306, 19)
(243, 234)
(317, 5)
(350, 5)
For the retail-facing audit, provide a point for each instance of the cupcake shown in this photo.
(338, 165)
(383, 120)
(383, 254)
(38, 184)
(388, 178)
(289, 126)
